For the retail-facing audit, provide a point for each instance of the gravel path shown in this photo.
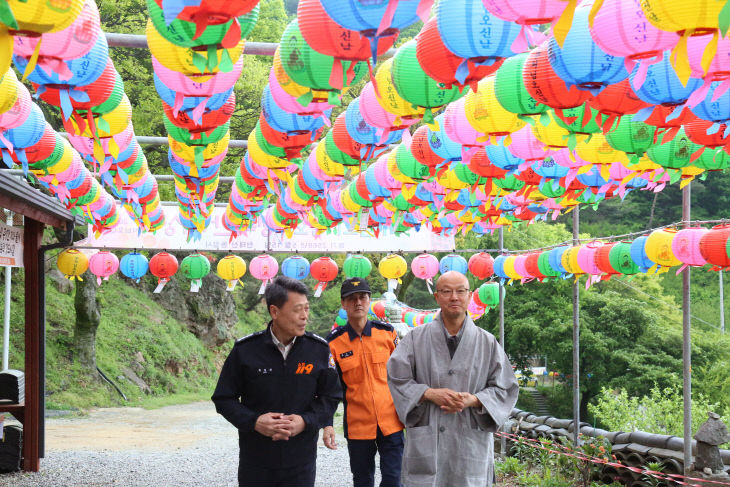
(185, 445)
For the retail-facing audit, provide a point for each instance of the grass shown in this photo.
(176, 366)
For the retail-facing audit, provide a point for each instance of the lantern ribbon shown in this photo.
(7, 17)
(160, 284)
(561, 27)
(30, 67)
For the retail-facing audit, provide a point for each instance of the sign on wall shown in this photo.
(11, 246)
(259, 239)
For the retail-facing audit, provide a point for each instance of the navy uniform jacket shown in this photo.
(256, 380)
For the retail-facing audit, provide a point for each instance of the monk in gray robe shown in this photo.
(452, 386)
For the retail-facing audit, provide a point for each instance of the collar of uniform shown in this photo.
(365, 331)
(275, 341)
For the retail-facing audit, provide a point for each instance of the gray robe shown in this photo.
(443, 450)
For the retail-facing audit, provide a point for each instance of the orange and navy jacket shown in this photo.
(361, 365)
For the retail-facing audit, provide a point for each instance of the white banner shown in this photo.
(11, 246)
(258, 238)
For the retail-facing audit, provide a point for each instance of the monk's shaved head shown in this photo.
(452, 279)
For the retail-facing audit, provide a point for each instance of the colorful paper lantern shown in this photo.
(163, 266)
(134, 265)
(72, 263)
(296, 267)
(453, 262)
(263, 267)
(231, 268)
(393, 267)
(103, 264)
(714, 247)
(425, 266)
(489, 294)
(481, 265)
(323, 270)
(357, 266)
(686, 247)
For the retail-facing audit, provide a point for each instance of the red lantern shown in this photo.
(658, 118)
(603, 261)
(613, 101)
(163, 266)
(210, 120)
(350, 146)
(481, 265)
(696, 130)
(324, 270)
(532, 266)
(98, 91)
(713, 247)
(422, 151)
(545, 86)
(441, 64)
(378, 308)
(326, 36)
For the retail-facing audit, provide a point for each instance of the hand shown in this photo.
(328, 436)
(295, 425)
(471, 401)
(273, 426)
(449, 401)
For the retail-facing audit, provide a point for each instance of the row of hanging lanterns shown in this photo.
(64, 54)
(197, 56)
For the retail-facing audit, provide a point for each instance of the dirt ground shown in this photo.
(119, 429)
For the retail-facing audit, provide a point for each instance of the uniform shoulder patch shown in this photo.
(382, 325)
(335, 333)
(318, 338)
(247, 337)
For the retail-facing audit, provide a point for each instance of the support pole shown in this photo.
(6, 314)
(502, 440)
(722, 304)
(576, 337)
(687, 340)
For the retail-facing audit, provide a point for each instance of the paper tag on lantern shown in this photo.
(428, 285)
(263, 287)
(195, 285)
(364, 221)
(392, 284)
(318, 289)
(231, 285)
(160, 284)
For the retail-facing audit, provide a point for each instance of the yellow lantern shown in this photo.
(72, 263)
(659, 248)
(108, 124)
(328, 165)
(43, 16)
(195, 64)
(449, 180)
(389, 98)
(569, 261)
(260, 157)
(348, 202)
(393, 267)
(197, 154)
(231, 268)
(486, 115)
(597, 151)
(8, 90)
(509, 268)
(294, 89)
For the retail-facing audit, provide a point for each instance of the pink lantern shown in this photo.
(458, 129)
(19, 112)
(103, 264)
(587, 262)
(263, 267)
(374, 114)
(620, 28)
(526, 146)
(521, 269)
(686, 247)
(532, 12)
(383, 175)
(425, 266)
(475, 310)
(73, 42)
(289, 103)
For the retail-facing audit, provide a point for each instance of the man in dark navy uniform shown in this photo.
(279, 387)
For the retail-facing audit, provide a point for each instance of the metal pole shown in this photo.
(6, 314)
(576, 337)
(500, 245)
(722, 305)
(686, 341)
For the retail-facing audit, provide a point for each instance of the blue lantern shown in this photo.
(134, 265)
(469, 30)
(638, 254)
(296, 267)
(363, 132)
(555, 257)
(500, 156)
(283, 121)
(581, 62)
(441, 144)
(549, 169)
(453, 262)
(662, 86)
(713, 110)
(188, 103)
(499, 267)
(367, 17)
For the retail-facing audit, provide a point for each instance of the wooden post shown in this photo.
(31, 244)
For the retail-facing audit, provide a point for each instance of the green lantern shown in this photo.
(543, 264)
(510, 90)
(466, 175)
(55, 156)
(489, 294)
(416, 87)
(307, 67)
(401, 203)
(620, 259)
(508, 183)
(181, 32)
(195, 267)
(632, 137)
(409, 165)
(712, 159)
(357, 266)
(675, 153)
(336, 154)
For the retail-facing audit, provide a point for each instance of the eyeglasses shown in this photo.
(450, 292)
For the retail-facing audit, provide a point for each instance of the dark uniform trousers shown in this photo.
(362, 459)
(301, 476)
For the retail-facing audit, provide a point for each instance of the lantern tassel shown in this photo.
(160, 284)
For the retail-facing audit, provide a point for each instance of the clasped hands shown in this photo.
(451, 401)
(278, 426)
